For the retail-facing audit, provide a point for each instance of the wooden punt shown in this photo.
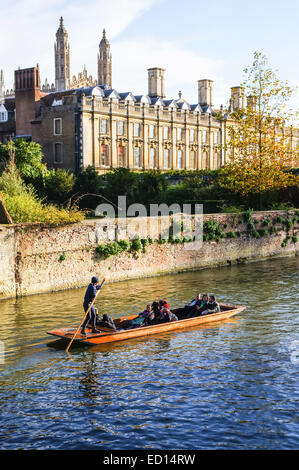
(227, 311)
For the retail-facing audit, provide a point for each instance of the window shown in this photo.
(204, 137)
(204, 160)
(180, 159)
(104, 155)
(179, 133)
(152, 158)
(121, 155)
(58, 153)
(166, 158)
(166, 132)
(136, 129)
(137, 157)
(215, 137)
(152, 131)
(57, 126)
(104, 126)
(192, 135)
(192, 159)
(3, 116)
(121, 127)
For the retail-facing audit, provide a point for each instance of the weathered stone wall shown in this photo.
(7, 261)
(35, 259)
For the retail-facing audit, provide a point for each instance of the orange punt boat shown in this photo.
(121, 334)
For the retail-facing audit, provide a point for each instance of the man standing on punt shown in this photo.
(89, 297)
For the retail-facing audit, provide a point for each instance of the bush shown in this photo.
(230, 235)
(136, 244)
(23, 204)
(263, 232)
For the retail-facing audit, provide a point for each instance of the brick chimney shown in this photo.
(27, 93)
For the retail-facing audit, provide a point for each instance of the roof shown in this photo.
(56, 95)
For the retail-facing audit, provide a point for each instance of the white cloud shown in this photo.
(131, 59)
(27, 36)
(28, 28)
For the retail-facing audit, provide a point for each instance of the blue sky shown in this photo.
(194, 39)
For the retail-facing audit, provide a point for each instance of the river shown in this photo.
(232, 385)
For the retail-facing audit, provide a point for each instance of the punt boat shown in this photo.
(121, 334)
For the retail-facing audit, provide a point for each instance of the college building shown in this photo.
(80, 121)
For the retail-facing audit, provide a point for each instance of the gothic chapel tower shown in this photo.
(62, 59)
(104, 63)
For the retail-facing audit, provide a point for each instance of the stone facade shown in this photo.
(35, 258)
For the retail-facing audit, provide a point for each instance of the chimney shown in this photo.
(205, 92)
(251, 103)
(27, 93)
(156, 82)
(237, 98)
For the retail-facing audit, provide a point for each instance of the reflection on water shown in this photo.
(230, 385)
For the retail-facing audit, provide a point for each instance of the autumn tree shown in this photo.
(260, 136)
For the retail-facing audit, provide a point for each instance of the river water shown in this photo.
(231, 385)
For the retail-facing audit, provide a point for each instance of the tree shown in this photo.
(27, 156)
(260, 138)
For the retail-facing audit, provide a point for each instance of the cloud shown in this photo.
(183, 68)
(28, 28)
(27, 36)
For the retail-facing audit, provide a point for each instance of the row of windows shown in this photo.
(104, 157)
(152, 131)
(137, 131)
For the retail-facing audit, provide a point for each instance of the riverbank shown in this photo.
(36, 258)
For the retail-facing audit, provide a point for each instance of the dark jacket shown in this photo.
(213, 307)
(90, 293)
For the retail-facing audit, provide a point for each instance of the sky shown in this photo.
(191, 40)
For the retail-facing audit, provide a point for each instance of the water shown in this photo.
(232, 385)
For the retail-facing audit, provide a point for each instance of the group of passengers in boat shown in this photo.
(159, 312)
(202, 305)
(154, 314)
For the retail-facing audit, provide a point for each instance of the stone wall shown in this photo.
(36, 259)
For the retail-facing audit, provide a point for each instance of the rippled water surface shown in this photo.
(231, 385)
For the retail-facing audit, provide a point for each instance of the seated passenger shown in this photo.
(105, 322)
(163, 316)
(189, 309)
(212, 306)
(163, 304)
(148, 315)
(155, 308)
(201, 306)
(172, 316)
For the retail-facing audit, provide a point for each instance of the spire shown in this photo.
(2, 86)
(61, 26)
(62, 58)
(104, 62)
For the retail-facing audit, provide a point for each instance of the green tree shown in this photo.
(27, 157)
